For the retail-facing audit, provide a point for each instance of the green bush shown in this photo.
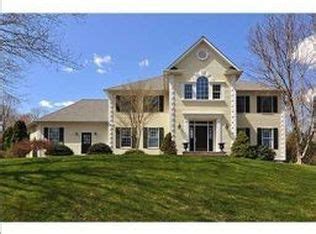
(7, 138)
(19, 131)
(241, 147)
(99, 148)
(134, 152)
(168, 145)
(265, 153)
(2, 154)
(59, 150)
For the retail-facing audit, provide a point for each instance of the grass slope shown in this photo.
(149, 188)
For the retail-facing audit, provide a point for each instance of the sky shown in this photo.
(118, 48)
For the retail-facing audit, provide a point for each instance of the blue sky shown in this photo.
(120, 48)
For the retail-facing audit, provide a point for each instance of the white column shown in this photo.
(186, 130)
(218, 136)
(233, 107)
(111, 120)
(282, 136)
(172, 106)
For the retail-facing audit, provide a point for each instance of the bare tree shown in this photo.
(29, 38)
(8, 110)
(279, 63)
(137, 104)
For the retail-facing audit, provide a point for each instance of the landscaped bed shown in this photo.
(155, 188)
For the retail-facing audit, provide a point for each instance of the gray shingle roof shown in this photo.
(157, 83)
(154, 83)
(85, 110)
(245, 85)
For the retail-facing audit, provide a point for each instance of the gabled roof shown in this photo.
(85, 110)
(203, 39)
(153, 83)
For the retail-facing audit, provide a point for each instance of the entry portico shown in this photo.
(203, 131)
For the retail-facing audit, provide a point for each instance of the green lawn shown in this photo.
(155, 188)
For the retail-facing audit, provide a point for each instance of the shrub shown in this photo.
(134, 152)
(7, 138)
(168, 145)
(241, 146)
(19, 131)
(99, 148)
(265, 153)
(2, 154)
(59, 150)
(21, 148)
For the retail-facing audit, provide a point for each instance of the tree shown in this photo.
(168, 145)
(19, 132)
(8, 111)
(281, 63)
(138, 102)
(29, 38)
(241, 146)
(7, 138)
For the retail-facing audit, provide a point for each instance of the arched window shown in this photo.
(202, 88)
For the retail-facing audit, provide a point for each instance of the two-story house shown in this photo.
(201, 100)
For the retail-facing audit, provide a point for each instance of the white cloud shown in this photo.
(306, 51)
(50, 104)
(68, 69)
(101, 71)
(100, 60)
(144, 63)
(46, 104)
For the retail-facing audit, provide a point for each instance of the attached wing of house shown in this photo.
(200, 99)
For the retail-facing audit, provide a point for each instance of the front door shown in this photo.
(201, 138)
(85, 142)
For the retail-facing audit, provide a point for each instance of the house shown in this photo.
(200, 99)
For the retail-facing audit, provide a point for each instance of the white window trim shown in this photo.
(126, 147)
(272, 137)
(210, 92)
(153, 147)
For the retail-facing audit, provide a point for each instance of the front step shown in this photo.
(204, 153)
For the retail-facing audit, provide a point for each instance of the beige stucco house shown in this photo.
(200, 99)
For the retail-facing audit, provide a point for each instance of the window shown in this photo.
(202, 88)
(123, 104)
(216, 91)
(53, 135)
(188, 91)
(153, 104)
(267, 137)
(126, 137)
(267, 104)
(243, 104)
(153, 137)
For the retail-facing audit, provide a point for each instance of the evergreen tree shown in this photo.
(19, 131)
(168, 145)
(7, 138)
(241, 146)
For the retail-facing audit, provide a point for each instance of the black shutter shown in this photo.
(247, 99)
(276, 138)
(258, 104)
(161, 136)
(46, 133)
(161, 104)
(61, 135)
(259, 136)
(247, 131)
(275, 104)
(145, 138)
(134, 138)
(118, 103)
(118, 137)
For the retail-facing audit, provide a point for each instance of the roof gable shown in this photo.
(196, 44)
